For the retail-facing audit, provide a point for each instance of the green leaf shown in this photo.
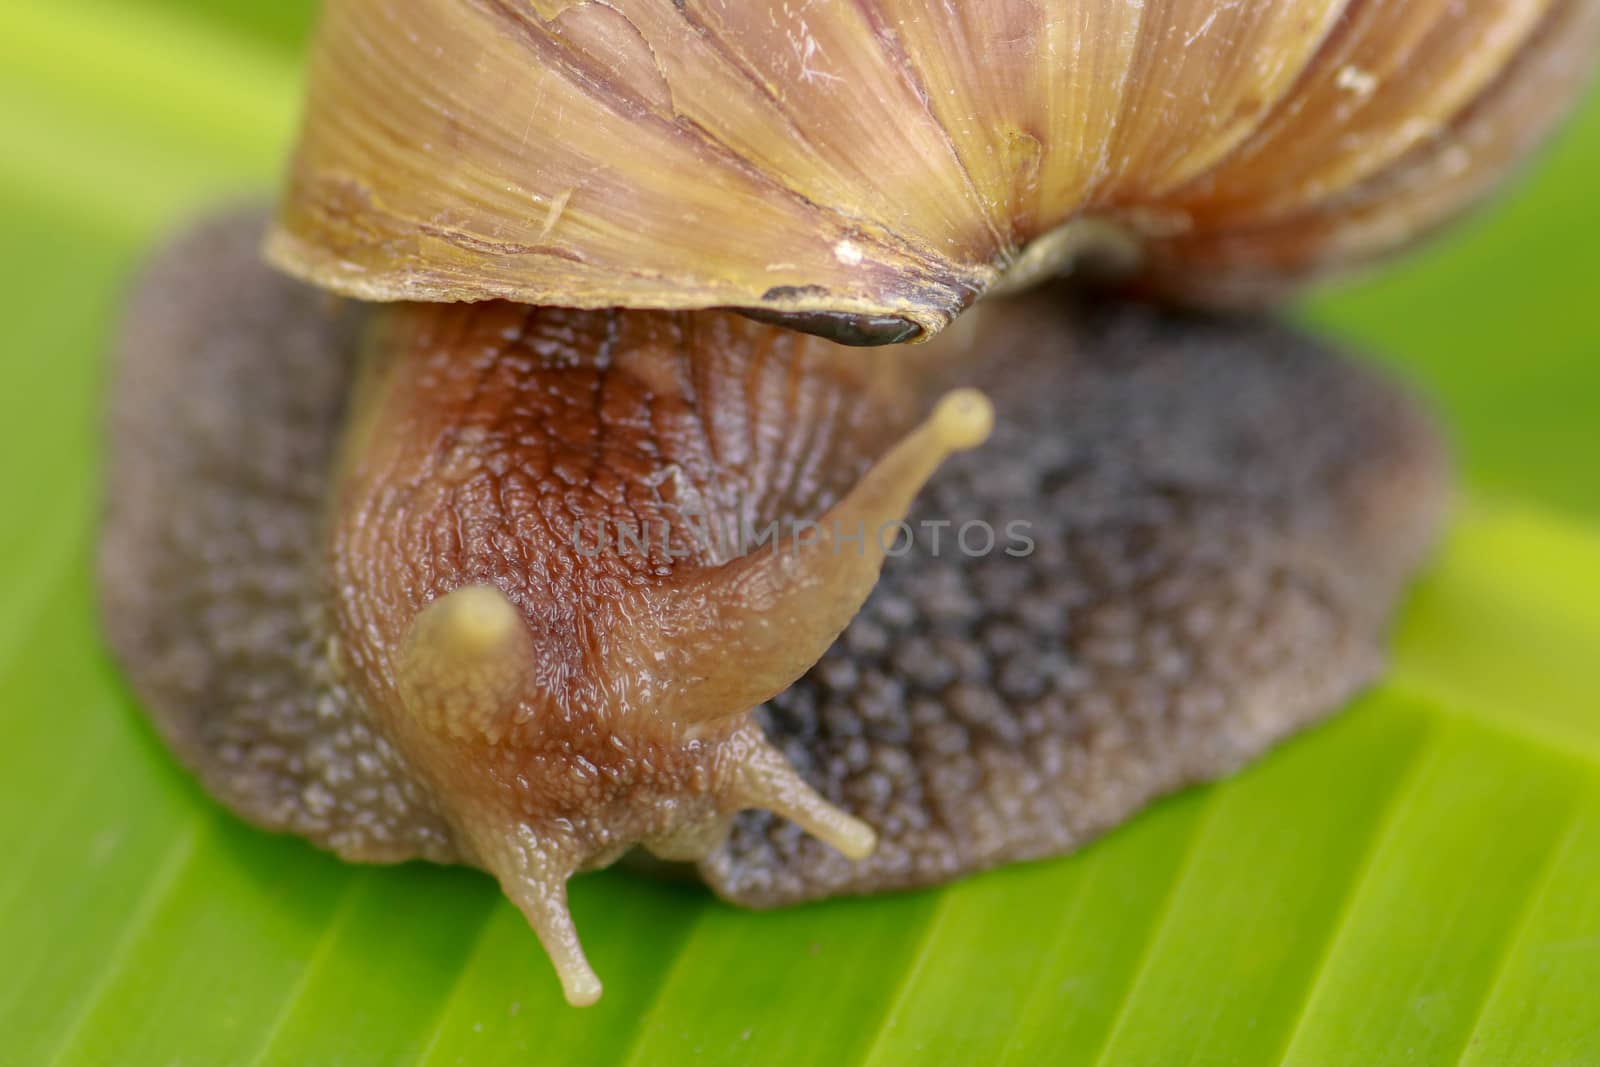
(1412, 883)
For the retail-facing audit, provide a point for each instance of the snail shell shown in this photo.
(347, 590)
(868, 168)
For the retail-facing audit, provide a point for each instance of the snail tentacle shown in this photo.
(769, 782)
(466, 662)
(775, 610)
(533, 870)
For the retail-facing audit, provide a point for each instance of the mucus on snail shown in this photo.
(342, 560)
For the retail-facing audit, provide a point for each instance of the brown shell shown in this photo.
(889, 161)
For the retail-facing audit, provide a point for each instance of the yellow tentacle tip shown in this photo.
(963, 419)
(476, 618)
(854, 838)
(581, 989)
(466, 659)
(828, 824)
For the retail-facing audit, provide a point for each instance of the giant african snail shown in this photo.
(364, 599)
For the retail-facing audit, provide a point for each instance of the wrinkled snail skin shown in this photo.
(900, 158)
(344, 567)
(567, 704)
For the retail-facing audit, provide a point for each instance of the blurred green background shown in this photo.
(1414, 883)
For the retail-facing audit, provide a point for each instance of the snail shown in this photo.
(586, 533)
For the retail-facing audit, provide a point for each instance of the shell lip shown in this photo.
(914, 310)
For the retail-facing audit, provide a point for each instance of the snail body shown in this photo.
(446, 574)
(352, 566)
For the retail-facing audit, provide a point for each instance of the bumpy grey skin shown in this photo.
(1224, 512)
(230, 387)
(1222, 516)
